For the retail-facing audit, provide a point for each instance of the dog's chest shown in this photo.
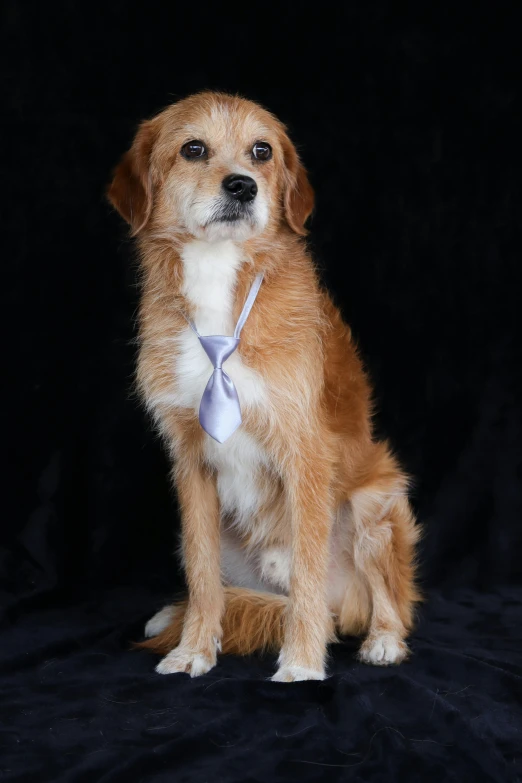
(238, 464)
(209, 282)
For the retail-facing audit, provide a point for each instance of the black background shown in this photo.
(407, 121)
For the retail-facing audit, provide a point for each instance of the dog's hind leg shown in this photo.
(383, 551)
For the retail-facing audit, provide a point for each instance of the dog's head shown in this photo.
(215, 167)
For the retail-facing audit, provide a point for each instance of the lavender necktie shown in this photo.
(219, 410)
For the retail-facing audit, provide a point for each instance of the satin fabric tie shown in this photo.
(219, 410)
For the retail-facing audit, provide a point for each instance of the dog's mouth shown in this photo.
(231, 213)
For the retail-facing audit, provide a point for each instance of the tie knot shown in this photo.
(218, 347)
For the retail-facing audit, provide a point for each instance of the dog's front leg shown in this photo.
(308, 625)
(201, 636)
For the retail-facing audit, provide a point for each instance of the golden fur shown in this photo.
(326, 479)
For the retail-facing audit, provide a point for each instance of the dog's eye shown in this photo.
(262, 150)
(193, 149)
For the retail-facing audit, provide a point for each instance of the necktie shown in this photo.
(219, 410)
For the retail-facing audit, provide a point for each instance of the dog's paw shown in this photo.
(383, 649)
(297, 674)
(159, 622)
(181, 661)
(275, 565)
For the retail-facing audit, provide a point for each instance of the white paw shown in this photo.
(383, 650)
(297, 674)
(182, 661)
(159, 622)
(275, 567)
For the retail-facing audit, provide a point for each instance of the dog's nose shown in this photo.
(241, 187)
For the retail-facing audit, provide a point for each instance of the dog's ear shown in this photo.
(298, 193)
(130, 191)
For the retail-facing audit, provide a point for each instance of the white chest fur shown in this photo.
(238, 462)
(209, 281)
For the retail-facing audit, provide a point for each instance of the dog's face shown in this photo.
(215, 167)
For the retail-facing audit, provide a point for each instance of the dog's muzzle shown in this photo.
(239, 192)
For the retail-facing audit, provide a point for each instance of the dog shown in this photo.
(297, 527)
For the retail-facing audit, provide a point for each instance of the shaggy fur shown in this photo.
(301, 513)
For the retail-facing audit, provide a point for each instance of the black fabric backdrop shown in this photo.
(407, 121)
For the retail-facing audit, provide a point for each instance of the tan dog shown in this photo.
(300, 513)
